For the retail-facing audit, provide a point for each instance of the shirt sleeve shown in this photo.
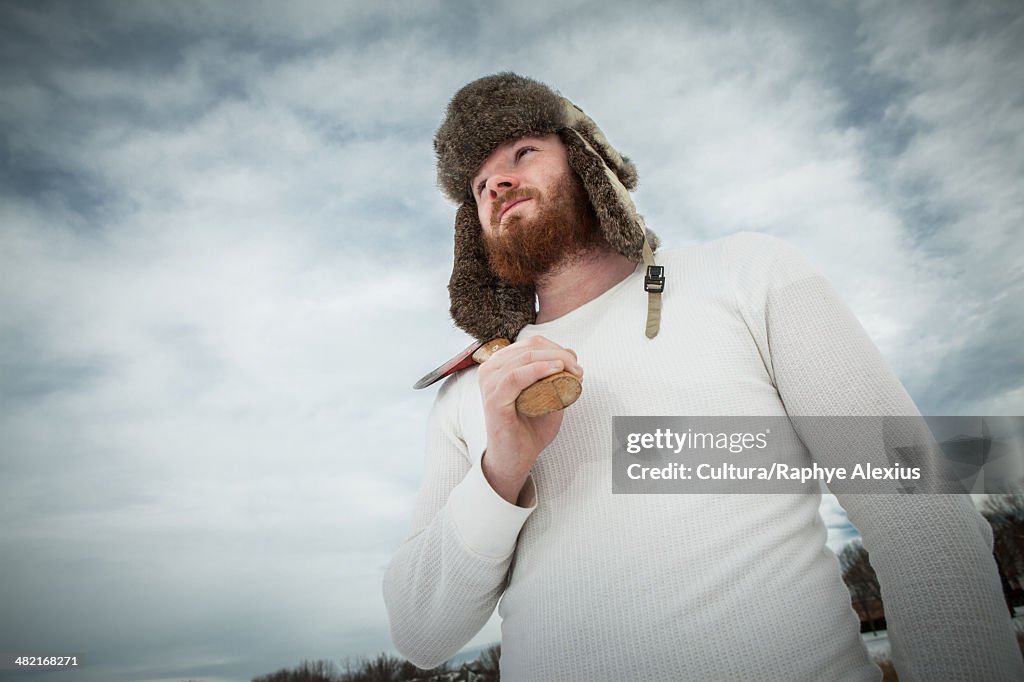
(946, 615)
(445, 580)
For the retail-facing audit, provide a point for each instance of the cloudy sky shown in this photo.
(223, 261)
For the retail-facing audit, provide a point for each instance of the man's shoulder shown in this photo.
(455, 384)
(738, 247)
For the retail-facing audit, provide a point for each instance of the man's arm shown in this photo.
(444, 581)
(932, 553)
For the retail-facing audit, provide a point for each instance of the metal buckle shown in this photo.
(654, 282)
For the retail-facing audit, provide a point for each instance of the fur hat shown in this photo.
(485, 114)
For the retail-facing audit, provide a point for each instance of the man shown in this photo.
(596, 586)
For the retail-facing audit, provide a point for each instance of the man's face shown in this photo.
(533, 209)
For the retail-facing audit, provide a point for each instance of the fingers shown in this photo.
(535, 350)
(514, 368)
(515, 381)
(514, 441)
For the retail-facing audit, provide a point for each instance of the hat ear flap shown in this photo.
(482, 305)
(622, 227)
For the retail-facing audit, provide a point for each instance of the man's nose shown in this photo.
(498, 184)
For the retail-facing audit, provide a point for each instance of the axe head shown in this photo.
(460, 361)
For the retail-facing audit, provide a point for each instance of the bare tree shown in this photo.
(490, 662)
(860, 578)
(307, 671)
(384, 668)
(1005, 513)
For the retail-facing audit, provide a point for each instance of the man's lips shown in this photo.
(507, 207)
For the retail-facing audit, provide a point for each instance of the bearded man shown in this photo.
(550, 251)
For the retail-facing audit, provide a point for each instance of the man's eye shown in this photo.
(480, 187)
(522, 151)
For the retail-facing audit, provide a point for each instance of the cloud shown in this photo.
(955, 185)
(201, 357)
(223, 262)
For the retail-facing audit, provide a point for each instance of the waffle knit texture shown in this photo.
(595, 586)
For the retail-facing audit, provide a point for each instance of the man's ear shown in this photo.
(620, 224)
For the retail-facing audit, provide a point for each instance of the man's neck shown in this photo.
(581, 279)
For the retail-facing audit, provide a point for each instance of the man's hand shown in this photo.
(513, 441)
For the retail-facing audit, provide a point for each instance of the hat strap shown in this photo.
(654, 284)
(654, 279)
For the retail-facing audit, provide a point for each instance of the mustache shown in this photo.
(513, 195)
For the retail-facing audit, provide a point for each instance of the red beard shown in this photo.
(523, 250)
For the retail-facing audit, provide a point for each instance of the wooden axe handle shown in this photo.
(549, 394)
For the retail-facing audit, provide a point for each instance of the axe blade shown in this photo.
(460, 361)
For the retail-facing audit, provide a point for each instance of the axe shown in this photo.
(552, 393)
